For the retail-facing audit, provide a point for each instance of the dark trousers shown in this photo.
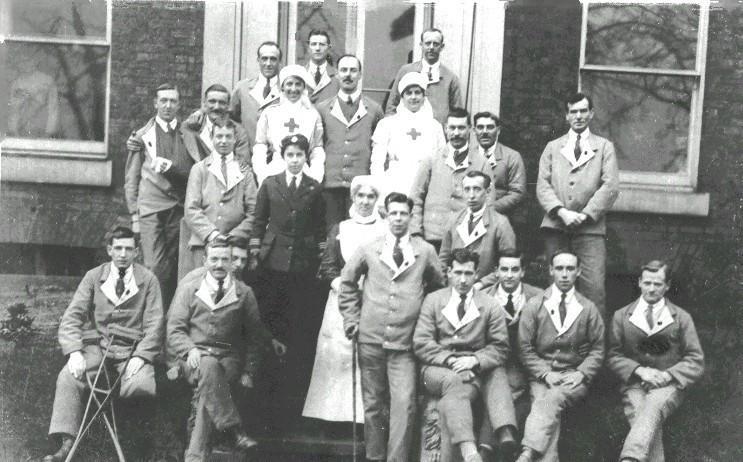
(337, 203)
(159, 242)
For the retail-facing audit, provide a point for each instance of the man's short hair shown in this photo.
(433, 29)
(322, 32)
(217, 242)
(577, 98)
(227, 123)
(512, 253)
(459, 113)
(238, 241)
(349, 55)
(121, 232)
(296, 140)
(657, 265)
(217, 87)
(464, 256)
(478, 174)
(398, 197)
(487, 115)
(562, 251)
(166, 86)
(271, 43)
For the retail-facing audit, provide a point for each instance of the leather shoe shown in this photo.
(243, 442)
(527, 455)
(505, 439)
(486, 454)
(62, 452)
(473, 458)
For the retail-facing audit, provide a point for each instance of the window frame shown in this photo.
(60, 148)
(672, 182)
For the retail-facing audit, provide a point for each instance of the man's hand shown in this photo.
(195, 120)
(135, 223)
(76, 364)
(279, 348)
(464, 363)
(161, 164)
(653, 378)
(133, 143)
(133, 366)
(246, 381)
(571, 218)
(335, 284)
(466, 376)
(553, 379)
(254, 259)
(194, 358)
(352, 331)
(573, 379)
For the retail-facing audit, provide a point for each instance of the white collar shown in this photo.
(642, 305)
(450, 311)
(434, 67)
(213, 285)
(217, 157)
(289, 177)
(451, 149)
(109, 285)
(128, 274)
(456, 296)
(583, 136)
(390, 239)
(476, 215)
(556, 295)
(501, 293)
(313, 68)
(354, 96)
(487, 153)
(166, 126)
(274, 82)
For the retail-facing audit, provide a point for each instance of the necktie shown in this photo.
(430, 74)
(649, 315)
(224, 169)
(509, 305)
(459, 156)
(293, 184)
(471, 224)
(349, 101)
(120, 282)
(397, 253)
(577, 150)
(563, 309)
(220, 291)
(267, 89)
(318, 75)
(460, 307)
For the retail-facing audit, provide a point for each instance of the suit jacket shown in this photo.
(242, 140)
(148, 191)
(492, 234)
(590, 185)
(211, 206)
(482, 331)
(437, 191)
(388, 308)
(509, 179)
(328, 86)
(247, 103)
(347, 143)
(92, 311)
(674, 348)
(443, 95)
(528, 292)
(289, 228)
(234, 328)
(543, 349)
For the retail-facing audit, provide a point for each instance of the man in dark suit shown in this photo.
(160, 158)
(578, 183)
(655, 352)
(321, 71)
(443, 90)
(121, 293)
(462, 340)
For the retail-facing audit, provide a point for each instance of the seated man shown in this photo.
(462, 341)
(214, 328)
(561, 345)
(121, 293)
(655, 352)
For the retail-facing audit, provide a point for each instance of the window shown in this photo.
(56, 61)
(643, 65)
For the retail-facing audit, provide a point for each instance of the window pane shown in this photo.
(646, 116)
(58, 18)
(56, 91)
(388, 43)
(329, 16)
(647, 36)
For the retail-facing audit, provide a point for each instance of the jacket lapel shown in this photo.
(108, 286)
(189, 141)
(637, 318)
(477, 233)
(471, 312)
(573, 309)
(588, 152)
(150, 143)
(325, 80)
(408, 252)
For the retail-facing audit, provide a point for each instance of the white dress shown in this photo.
(329, 396)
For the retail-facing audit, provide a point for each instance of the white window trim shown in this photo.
(61, 161)
(657, 192)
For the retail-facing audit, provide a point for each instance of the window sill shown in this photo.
(634, 199)
(84, 171)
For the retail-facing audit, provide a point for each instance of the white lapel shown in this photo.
(587, 152)
(215, 169)
(336, 112)
(257, 94)
(573, 308)
(229, 298)
(407, 262)
(234, 175)
(471, 312)
(518, 305)
(324, 81)
(109, 289)
(150, 143)
(206, 136)
(638, 319)
(477, 233)
(205, 296)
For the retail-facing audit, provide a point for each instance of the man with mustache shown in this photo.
(349, 119)
(437, 190)
(443, 89)
(319, 68)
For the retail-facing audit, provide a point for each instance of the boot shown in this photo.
(242, 441)
(62, 452)
(505, 438)
(527, 455)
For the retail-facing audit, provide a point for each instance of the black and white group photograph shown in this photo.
(371, 230)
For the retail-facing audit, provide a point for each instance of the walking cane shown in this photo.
(353, 399)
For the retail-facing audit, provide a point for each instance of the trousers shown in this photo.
(159, 242)
(646, 411)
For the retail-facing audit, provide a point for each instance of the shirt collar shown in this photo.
(556, 294)
(213, 285)
(313, 68)
(217, 157)
(501, 293)
(165, 126)
(434, 67)
(583, 136)
(451, 149)
(354, 96)
(289, 177)
(642, 305)
(477, 215)
(455, 296)
(487, 152)
(390, 239)
(127, 275)
(262, 81)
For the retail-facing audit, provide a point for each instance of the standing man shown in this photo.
(398, 270)
(506, 165)
(252, 96)
(561, 345)
(655, 352)
(578, 183)
(220, 199)
(160, 158)
(477, 228)
(462, 341)
(437, 190)
(322, 72)
(443, 89)
(349, 120)
(118, 293)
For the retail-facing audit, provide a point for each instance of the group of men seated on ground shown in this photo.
(279, 169)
